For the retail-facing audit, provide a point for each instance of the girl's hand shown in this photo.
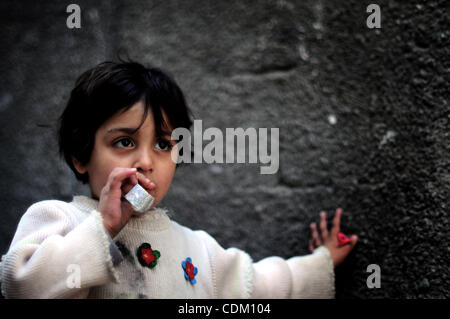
(338, 254)
(115, 209)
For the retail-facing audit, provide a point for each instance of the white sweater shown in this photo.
(56, 241)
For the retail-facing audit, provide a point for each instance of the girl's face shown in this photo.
(115, 146)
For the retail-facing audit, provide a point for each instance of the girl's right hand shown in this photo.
(115, 209)
(330, 240)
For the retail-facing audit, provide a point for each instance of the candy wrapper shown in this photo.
(140, 200)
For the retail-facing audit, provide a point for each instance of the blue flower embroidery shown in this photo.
(189, 270)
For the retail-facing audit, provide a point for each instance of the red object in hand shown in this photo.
(342, 239)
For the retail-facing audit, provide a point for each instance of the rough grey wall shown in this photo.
(363, 118)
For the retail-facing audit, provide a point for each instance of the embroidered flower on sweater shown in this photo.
(189, 270)
(147, 256)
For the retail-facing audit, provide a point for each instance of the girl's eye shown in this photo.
(163, 145)
(123, 143)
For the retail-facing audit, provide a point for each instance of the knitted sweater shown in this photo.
(54, 238)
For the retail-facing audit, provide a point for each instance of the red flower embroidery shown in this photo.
(147, 256)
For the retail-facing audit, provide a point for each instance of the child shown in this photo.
(115, 133)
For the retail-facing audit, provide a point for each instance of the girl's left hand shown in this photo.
(330, 240)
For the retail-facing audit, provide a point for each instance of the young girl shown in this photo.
(115, 133)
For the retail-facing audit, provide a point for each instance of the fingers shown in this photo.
(353, 240)
(145, 182)
(324, 236)
(336, 223)
(117, 179)
(133, 180)
(118, 175)
(323, 225)
(346, 249)
(311, 245)
(316, 239)
(315, 235)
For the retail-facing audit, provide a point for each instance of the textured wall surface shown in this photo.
(363, 117)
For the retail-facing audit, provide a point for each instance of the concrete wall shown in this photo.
(362, 113)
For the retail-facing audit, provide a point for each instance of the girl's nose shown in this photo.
(145, 160)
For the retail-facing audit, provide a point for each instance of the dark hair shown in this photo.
(104, 90)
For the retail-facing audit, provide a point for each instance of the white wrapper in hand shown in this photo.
(140, 200)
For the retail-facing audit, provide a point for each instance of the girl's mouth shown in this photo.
(149, 189)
